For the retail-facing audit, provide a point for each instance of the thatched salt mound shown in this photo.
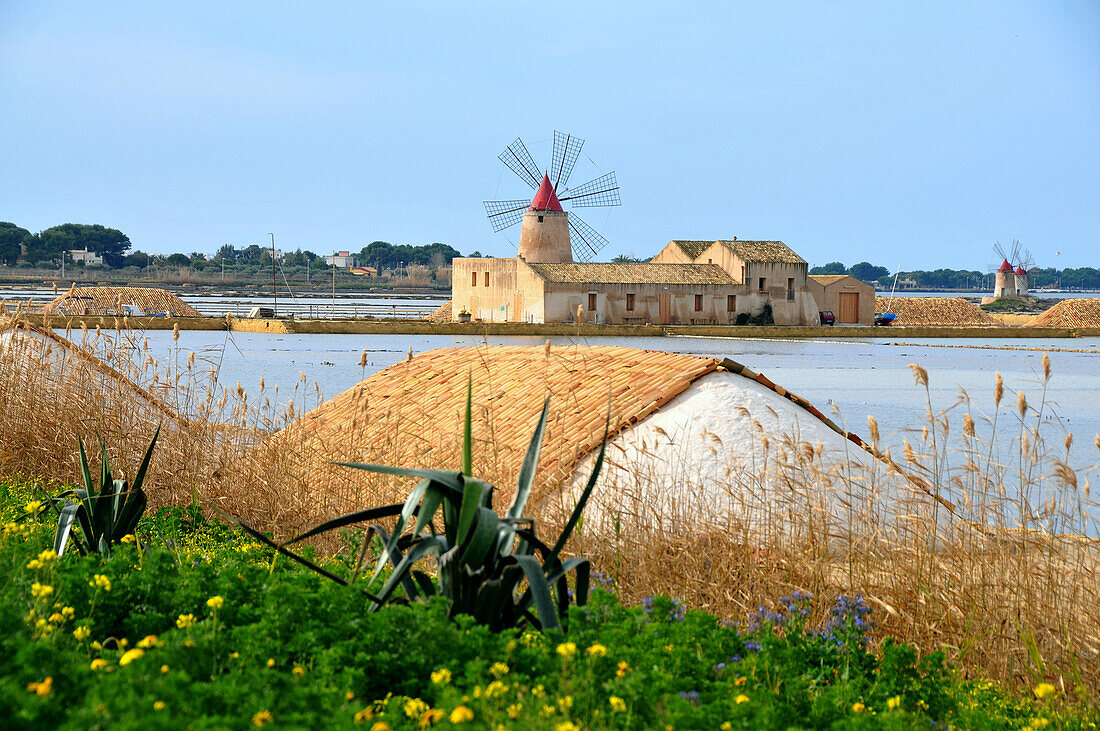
(689, 436)
(1072, 313)
(442, 314)
(120, 301)
(934, 311)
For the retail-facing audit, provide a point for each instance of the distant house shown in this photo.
(340, 260)
(85, 257)
(850, 299)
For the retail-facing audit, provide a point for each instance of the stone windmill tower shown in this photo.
(549, 233)
(1005, 283)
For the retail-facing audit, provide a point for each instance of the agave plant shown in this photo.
(490, 567)
(104, 517)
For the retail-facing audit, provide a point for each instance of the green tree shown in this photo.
(867, 271)
(109, 243)
(179, 260)
(833, 267)
(11, 242)
(138, 259)
(227, 253)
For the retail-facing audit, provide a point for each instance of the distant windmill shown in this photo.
(1011, 279)
(545, 235)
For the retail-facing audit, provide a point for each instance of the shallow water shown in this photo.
(856, 377)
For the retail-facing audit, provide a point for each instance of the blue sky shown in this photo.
(913, 134)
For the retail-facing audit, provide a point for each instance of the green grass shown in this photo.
(229, 638)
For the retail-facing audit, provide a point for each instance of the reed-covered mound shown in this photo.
(929, 311)
(441, 314)
(1071, 313)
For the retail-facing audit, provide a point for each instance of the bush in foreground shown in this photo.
(204, 630)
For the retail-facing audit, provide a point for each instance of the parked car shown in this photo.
(827, 317)
(884, 318)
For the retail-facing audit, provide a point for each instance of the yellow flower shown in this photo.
(123, 642)
(99, 663)
(81, 633)
(726, 726)
(597, 650)
(538, 691)
(740, 681)
(215, 602)
(567, 726)
(441, 676)
(461, 714)
(514, 710)
(548, 711)
(99, 581)
(41, 590)
(623, 669)
(365, 715)
(893, 703)
(47, 556)
(68, 612)
(96, 645)
(617, 704)
(565, 703)
(130, 655)
(185, 620)
(163, 669)
(32, 507)
(380, 726)
(431, 717)
(128, 538)
(43, 688)
(498, 669)
(349, 696)
(1042, 690)
(858, 708)
(414, 707)
(271, 662)
(34, 564)
(567, 649)
(57, 618)
(298, 671)
(261, 718)
(742, 698)
(148, 641)
(159, 705)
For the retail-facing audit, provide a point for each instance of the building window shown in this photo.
(763, 284)
(731, 303)
(790, 289)
(709, 261)
(473, 279)
(743, 280)
(698, 303)
(592, 301)
(486, 279)
(630, 303)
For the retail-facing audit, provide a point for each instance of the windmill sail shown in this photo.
(503, 214)
(586, 242)
(520, 162)
(601, 191)
(567, 149)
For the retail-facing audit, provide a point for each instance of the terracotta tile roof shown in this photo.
(107, 301)
(765, 251)
(1070, 313)
(826, 279)
(694, 249)
(411, 414)
(945, 311)
(631, 273)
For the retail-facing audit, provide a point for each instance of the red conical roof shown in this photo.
(545, 199)
(1021, 272)
(1005, 266)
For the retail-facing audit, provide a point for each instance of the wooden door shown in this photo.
(665, 301)
(849, 307)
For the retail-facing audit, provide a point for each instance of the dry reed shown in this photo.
(1003, 579)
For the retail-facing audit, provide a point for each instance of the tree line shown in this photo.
(18, 246)
(963, 279)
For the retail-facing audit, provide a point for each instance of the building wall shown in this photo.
(828, 297)
(562, 301)
(671, 254)
(799, 310)
(492, 302)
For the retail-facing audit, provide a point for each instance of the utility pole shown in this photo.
(333, 283)
(274, 286)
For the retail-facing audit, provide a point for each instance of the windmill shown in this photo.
(1011, 282)
(549, 233)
